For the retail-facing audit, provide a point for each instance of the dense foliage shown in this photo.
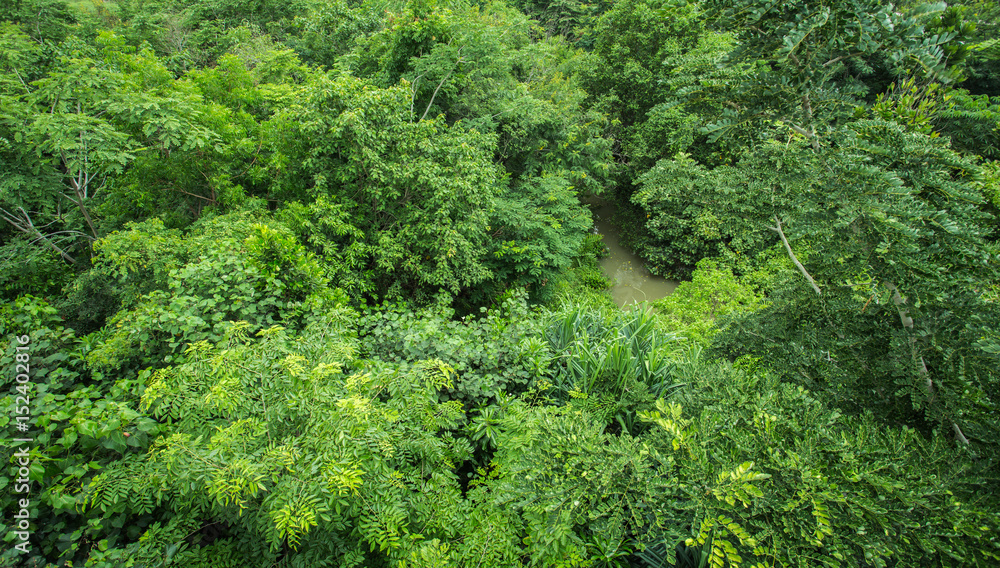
(309, 283)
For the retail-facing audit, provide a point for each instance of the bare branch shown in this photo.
(19, 78)
(208, 199)
(904, 318)
(23, 223)
(70, 233)
(81, 193)
(900, 302)
(841, 58)
(795, 259)
(958, 434)
(413, 94)
(807, 107)
(798, 129)
(448, 74)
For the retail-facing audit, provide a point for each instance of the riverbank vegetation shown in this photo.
(313, 283)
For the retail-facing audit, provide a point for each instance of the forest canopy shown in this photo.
(311, 283)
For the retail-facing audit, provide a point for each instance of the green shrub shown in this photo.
(229, 268)
(499, 352)
(740, 469)
(609, 361)
(830, 489)
(693, 308)
(303, 454)
(80, 423)
(28, 269)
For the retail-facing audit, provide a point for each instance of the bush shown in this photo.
(610, 362)
(740, 469)
(499, 352)
(694, 307)
(826, 489)
(29, 269)
(229, 268)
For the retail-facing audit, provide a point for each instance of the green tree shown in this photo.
(44, 20)
(982, 53)
(297, 449)
(478, 66)
(657, 69)
(191, 34)
(80, 126)
(879, 212)
(797, 483)
(175, 290)
(889, 229)
(420, 191)
(80, 422)
(495, 353)
(814, 52)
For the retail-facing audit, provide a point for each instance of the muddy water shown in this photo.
(632, 282)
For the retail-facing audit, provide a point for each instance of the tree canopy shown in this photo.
(317, 283)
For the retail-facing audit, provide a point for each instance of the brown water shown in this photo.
(632, 282)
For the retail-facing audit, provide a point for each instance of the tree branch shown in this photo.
(841, 58)
(904, 318)
(958, 434)
(797, 128)
(900, 302)
(208, 199)
(809, 133)
(72, 233)
(446, 75)
(27, 227)
(795, 259)
(80, 192)
(83, 208)
(413, 94)
(19, 78)
(257, 155)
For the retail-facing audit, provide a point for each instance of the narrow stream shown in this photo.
(632, 282)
